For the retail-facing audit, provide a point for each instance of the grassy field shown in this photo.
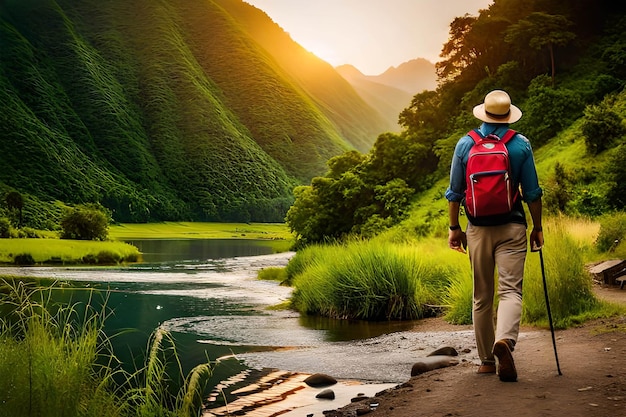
(66, 251)
(193, 230)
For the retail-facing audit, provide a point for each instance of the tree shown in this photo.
(423, 114)
(15, 201)
(540, 30)
(85, 222)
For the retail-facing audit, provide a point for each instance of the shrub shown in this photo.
(548, 111)
(612, 231)
(85, 222)
(616, 173)
(558, 190)
(24, 259)
(6, 230)
(601, 127)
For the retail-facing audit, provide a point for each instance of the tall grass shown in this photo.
(55, 360)
(396, 277)
(570, 288)
(50, 358)
(369, 280)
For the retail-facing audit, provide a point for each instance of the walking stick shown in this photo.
(545, 291)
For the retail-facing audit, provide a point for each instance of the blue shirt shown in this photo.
(523, 170)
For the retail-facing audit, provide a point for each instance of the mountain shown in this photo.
(392, 91)
(166, 110)
(413, 76)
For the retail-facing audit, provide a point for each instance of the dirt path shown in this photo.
(592, 359)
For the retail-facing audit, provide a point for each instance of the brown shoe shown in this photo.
(506, 365)
(487, 368)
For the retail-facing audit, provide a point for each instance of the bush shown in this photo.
(548, 111)
(6, 230)
(24, 259)
(616, 173)
(602, 127)
(612, 231)
(85, 222)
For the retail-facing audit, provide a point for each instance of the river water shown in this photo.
(205, 292)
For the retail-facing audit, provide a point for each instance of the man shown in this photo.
(497, 241)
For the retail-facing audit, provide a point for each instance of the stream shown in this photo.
(207, 295)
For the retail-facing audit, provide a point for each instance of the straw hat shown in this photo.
(497, 108)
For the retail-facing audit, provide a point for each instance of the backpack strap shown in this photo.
(477, 136)
(508, 136)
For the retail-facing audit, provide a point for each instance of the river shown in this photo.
(207, 295)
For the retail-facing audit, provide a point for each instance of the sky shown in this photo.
(372, 35)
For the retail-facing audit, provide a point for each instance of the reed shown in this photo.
(57, 361)
(52, 357)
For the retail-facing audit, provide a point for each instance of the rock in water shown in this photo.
(327, 394)
(320, 380)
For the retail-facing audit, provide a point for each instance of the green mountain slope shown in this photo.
(354, 118)
(159, 110)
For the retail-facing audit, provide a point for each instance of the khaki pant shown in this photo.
(502, 247)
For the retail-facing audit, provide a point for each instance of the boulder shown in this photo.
(320, 380)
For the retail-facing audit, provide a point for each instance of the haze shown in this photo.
(372, 35)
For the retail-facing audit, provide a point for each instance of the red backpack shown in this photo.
(490, 191)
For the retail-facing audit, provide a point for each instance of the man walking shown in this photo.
(495, 236)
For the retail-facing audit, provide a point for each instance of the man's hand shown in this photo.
(457, 240)
(536, 240)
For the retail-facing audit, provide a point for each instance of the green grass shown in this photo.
(55, 360)
(396, 277)
(67, 251)
(273, 274)
(370, 280)
(48, 358)
(200, 230)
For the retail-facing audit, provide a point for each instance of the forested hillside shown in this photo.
(166, 110)
(561, 62)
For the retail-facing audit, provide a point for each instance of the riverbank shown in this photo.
(592, 359)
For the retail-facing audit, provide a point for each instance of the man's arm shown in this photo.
(536, 235)
(456, 238)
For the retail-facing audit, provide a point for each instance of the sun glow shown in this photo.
(372, 35)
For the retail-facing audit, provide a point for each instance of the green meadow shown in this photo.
(65, 251)
(200, 230)
(31, 251)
